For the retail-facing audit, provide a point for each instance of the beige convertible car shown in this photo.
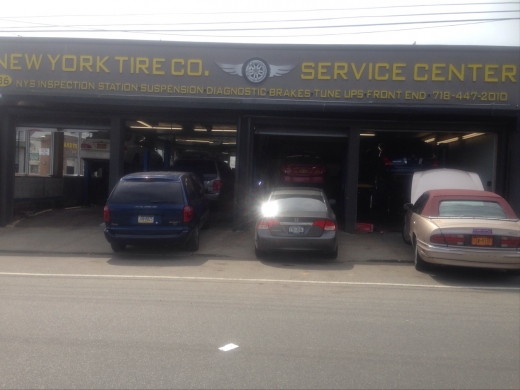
(470, 228)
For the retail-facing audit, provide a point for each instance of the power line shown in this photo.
(268, 28)
(261, 21)
(119, 15)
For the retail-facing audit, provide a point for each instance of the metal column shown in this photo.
(7, 166)
(351, 189)
(117, 150)
(243, 173)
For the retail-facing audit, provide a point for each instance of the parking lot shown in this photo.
(80, 231)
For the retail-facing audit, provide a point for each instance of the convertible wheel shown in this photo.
(406, 237)
(193, 244)
(420, 264)
(116, 247)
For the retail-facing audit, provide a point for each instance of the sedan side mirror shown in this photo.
(408, 206)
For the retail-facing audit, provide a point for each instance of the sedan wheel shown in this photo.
(332, 254)
(259, 254)
(420, 264)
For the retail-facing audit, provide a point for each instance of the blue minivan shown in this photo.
(156, 208)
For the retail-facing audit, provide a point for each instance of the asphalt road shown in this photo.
(90, 322)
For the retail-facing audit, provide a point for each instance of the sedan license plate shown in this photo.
(304, 171)
(101, 146)
(481, 241)
(145, 219)
(296, 229)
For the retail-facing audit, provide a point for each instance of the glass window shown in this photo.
(147, 191)
(470, 208)
(300, 204)
(71, 161)
(40, 156)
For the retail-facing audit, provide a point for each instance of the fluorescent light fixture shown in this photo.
(223, 131)
(229, 143)
(447, 141)
(472, 135)
(429, 140)
(200, 129)
(194, 140)
(367, 135)
(144, 124)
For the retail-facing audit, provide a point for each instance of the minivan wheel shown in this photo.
(117, 247)
(193, 243)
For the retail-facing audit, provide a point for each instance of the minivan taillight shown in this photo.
(217, 185)
(106, 214)
(187, 213)
(86, 146)
(386, 161)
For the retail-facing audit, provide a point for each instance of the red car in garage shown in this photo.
(303, 168)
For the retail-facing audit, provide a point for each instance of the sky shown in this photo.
(381, 22)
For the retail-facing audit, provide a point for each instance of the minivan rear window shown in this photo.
(147, 192)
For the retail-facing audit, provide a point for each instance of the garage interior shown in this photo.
(459, 145)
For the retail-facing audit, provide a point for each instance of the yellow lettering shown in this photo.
(453, 70)
(85, 62)
(322, 69)
(510, 72)
(141, 63)
(198, 66)
(474, 67)
(340, 69)
(307, 71)
(396, 72)
(33, 61)
(489, 72)
(53, 61)
(121, 60)
(436, 72)
(177, 72)
(64, 66)
(416, 75)
(156, 67)
(356, 73)
(377, 74)
(14, 61)
(100, 64)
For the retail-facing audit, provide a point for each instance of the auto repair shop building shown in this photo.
(249, 105)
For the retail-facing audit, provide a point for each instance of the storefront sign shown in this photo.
(412, 75)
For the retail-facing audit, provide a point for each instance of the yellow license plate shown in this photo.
(145, 219)
(482, 241)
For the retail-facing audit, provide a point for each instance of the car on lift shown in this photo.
(387, 167)
(469, 228)
(306, 169)
(97, 147)
(217, 177)
(297, 219)
(165, 208)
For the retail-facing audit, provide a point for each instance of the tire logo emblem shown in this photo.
(256, 70)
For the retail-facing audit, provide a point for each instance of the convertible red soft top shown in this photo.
(431, 208)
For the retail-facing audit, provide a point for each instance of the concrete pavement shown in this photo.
(80, 231)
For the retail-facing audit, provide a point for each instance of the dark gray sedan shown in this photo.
(297, 219)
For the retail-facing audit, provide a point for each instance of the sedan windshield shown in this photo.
(470, 208)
